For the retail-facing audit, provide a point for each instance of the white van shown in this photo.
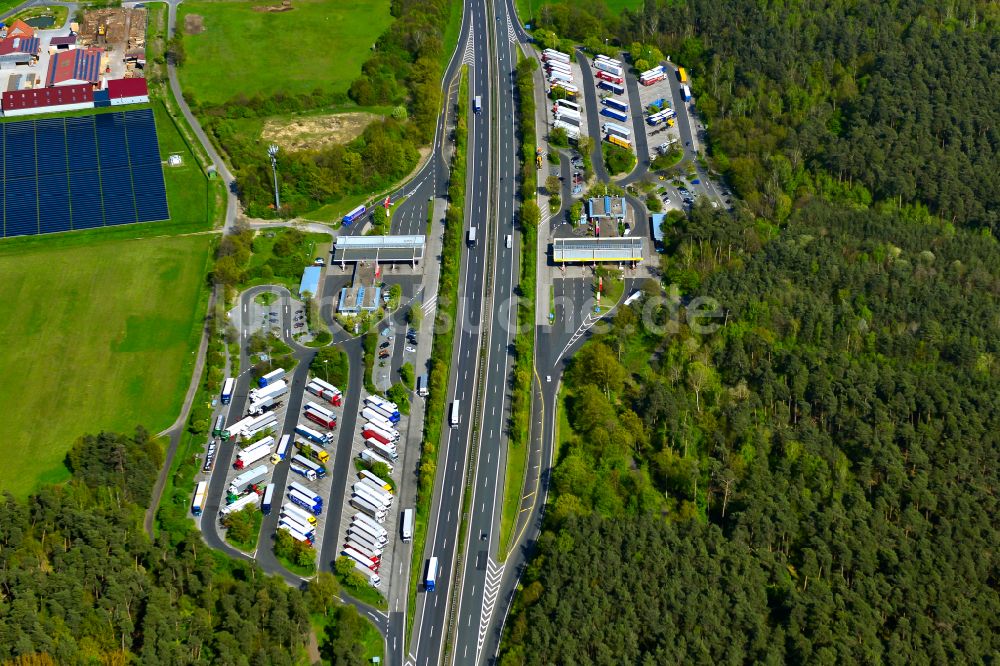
(472, 236)
(509, 241)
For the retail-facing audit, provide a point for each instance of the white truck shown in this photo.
(253, 453)
(279, 387)
(368, 522)
(239, 505)
(363, 504)
(242, 483)
(371, 457)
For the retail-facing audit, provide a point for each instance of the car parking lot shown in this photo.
(661, 137)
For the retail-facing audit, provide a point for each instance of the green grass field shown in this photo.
(96, 334)
(318, 44)
(527, 8)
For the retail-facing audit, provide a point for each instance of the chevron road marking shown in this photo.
(469, 57)
(494, 575)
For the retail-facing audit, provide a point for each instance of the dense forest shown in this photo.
(404, 72)
(80, 582)
(847, 100)
(815, 481)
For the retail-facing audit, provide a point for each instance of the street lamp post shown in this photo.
(272, 150)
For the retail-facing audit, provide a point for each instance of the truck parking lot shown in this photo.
(664, 134)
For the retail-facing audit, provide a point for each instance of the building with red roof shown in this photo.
(47, 100)
(17, 29)
(67, 68)
(128, 91)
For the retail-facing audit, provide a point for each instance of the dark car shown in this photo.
(384, 345)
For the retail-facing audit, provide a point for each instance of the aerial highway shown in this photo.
(430, 626)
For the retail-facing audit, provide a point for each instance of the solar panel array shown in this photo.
(62, 174)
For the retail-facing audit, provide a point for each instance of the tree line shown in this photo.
(814, 481)
(80, 582)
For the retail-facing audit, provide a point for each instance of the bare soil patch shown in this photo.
(315, 132)
(285, 6)
(194, 24)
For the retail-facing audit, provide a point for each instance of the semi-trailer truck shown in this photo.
(239, 505)
(613, 88)
(282, 452)
(265, 505)
(384, 485)
(244, 481)
(200, 493)
(612, 128)
(364, 519)
(563, 112)
(477, 104)
(373, 578)
(306, 503)
(370, 431)
(566, 104)
(552, 54)
(227, 390)
(567, 88)
(454, 413)
(601, 56)
(682, 75)
(295, 485)
(385, 450)
(363, 504)
(378, 418)
(326, 391)
(328, 422)
(605, 66)
(376, 401)
(407, 526)
(295, 529)
(391, 414)
(303, 527)
(430, 580)
(556, 66)
(303, 471)
(298, 536)
(261, 424)
(220, 426)
(614, 113)
(316, 468)
(381, 498)
(302, 514)
(236, 429)
(618, 141)
(686, 93)
(361, 561)
(374, 556)
(372, 458)
(616, 104)
(273, 390)
(611, 78)
(371, 496)
(312, 435)
(271, 377)
(366, 540)
(360, 557)
(572, 131)
(354, 215)
(377, 489)
(253, 453)
(555, 76)
(313, 451)
(364, 529)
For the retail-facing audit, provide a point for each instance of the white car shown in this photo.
(411, 349)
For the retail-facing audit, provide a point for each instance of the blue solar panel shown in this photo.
(150, 193)
(119, 204)
(50, 140)
(20, 157)
(111, 140)
(53, 204)
(85, 200)
(82, 141)
(141, 134)
(80, 173)
(21, 207)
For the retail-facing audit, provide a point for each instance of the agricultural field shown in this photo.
(97, 334)
(526, 8)
(236, 47)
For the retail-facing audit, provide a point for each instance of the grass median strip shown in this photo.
(524, 341)
(444, 334)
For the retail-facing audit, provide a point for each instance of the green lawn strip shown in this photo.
(442, 348)
(111, 323)
(524, 341)
(297, 569)
(364, 593)
(451, 33)
(317, 44)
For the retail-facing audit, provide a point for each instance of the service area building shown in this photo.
(598, 250)
(379, 249)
